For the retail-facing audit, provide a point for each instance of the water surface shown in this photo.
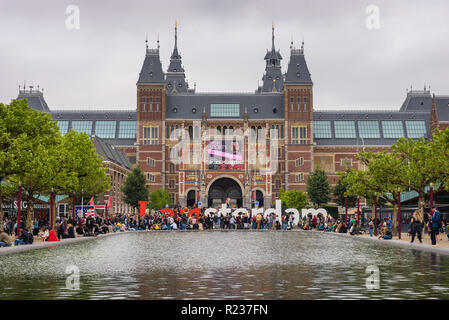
(224, 265)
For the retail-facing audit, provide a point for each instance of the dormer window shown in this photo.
(275, 110)
(175, 110)
(174, 70)
(169, 85)
(298, 74)
(256, 110)
(151, 74)
(180, 85)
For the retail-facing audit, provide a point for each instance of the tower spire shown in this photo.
(272, 36)
(146, 41)
(176, 35)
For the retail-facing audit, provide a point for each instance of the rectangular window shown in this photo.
(127, 130)
(368, 129)
(299, 162)
(299, 135)
(415, 129)
(299, 177)
(344, 129)
(172, 168)
(392, 129)
(150, 135)
(105, 129)
(82, 126)
(150, 177)
(171, 184)
(225, 110)
(278, 184)
(63, 127)
(151, 162)
(322, 129)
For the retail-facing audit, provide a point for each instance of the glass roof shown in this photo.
(415, 129)
(368, 129)
(392, 129)
(344, 129)
(322, 129)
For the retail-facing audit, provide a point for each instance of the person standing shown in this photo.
(435, 226)
(416, 224)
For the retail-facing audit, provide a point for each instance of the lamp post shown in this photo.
(73, 207)
(399, 213)
(346, 209)
(52, 208)
(358, 210)
(431, 196)
(19, 209)
(375, 214)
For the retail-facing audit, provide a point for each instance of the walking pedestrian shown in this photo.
(416, 225)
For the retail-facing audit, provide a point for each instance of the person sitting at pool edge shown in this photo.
(24, 238)
(5, 241)
(52, 236)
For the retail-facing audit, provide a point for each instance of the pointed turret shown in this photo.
(297, 72)
(175, 76)
(273, 80)
(152, 68)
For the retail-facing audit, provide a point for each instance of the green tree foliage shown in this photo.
(293, 199)
(135, 188)
(159, 198)
(383, 178)
(339, 193)
(24, 136)
(424, 162)
(36, 155)
(318, 187)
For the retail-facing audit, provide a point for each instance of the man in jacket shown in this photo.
(435, 227)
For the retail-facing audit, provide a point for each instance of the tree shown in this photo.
(339, 193)
(383, 177)
(159, 198)
(135, 188)
(293, 199)
(80, 169)
(22, 131)
(425, 162)
(318, 187)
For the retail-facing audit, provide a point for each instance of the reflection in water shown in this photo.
(224, 265)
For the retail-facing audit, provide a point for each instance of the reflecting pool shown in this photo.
(224, 265)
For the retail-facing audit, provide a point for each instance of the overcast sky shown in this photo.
(223, 44)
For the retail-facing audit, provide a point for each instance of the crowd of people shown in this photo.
(92, 225)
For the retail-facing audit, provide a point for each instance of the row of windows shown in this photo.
(369, 129)
(103, 129)
(299, 135)
(224, 110)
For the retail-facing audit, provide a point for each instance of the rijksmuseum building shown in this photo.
(278, 118)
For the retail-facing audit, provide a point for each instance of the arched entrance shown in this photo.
(259, 198)
(191, 198)
(224, 188)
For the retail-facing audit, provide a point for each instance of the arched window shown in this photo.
(196, 132)
(190, 132)
(259, 133)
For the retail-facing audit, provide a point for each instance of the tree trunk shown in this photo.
(394, 226)
(29, 222)
(421, 203)
(1, 213)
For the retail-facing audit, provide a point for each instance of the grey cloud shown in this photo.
(222, 44)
